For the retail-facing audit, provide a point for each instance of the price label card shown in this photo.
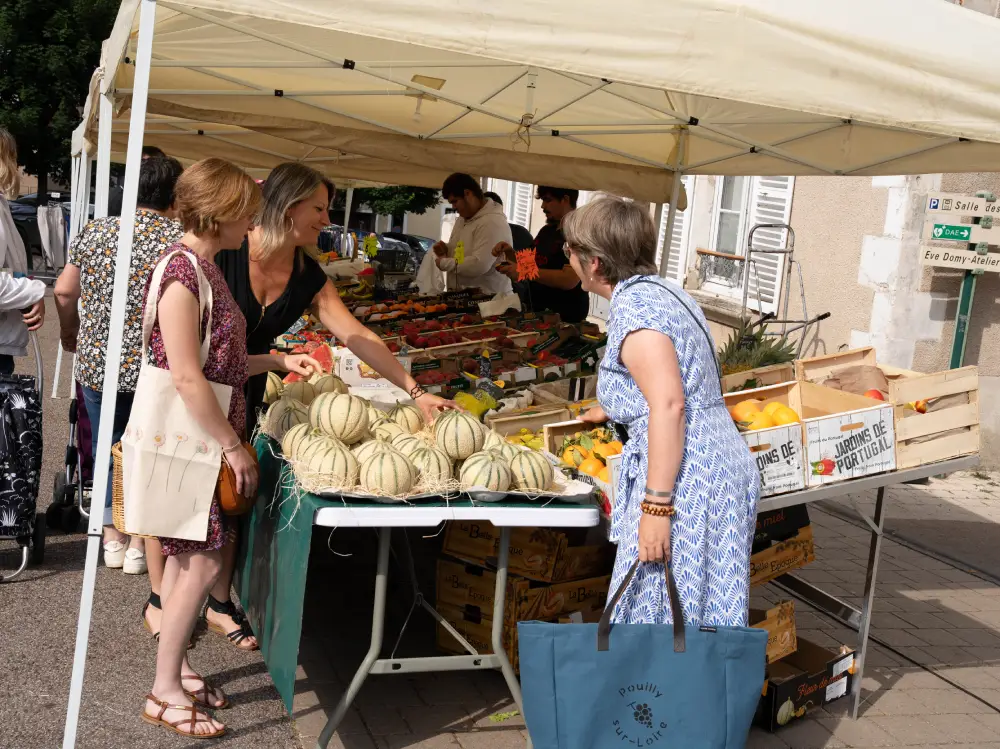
(371, 246)
(460, 253)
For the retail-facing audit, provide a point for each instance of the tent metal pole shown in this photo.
(104, 128)
(147, 21)
(675, 194)
(347, 216)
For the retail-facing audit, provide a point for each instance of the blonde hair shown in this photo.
(287, 185)
(618, 233)
(212, 192)
(10, 176)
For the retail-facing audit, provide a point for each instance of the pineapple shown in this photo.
(749, 348)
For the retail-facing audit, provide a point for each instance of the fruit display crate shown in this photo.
(845, 436)
(946, 424)
(553, 435)
(751, 379)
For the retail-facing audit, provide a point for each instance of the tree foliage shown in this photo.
(48, 52)
(391, 201)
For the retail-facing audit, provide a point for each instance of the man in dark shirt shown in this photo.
(557, 287)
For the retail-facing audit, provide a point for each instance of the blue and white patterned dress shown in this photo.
(717, 487)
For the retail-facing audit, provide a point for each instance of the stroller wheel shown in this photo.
(53, 515)
(38, 540)
(59, 490)
(70, 521)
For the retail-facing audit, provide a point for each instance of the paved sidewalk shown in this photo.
(937, 682)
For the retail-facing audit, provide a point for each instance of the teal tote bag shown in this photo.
(596, 686)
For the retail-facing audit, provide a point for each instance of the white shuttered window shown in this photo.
(521, 197)
(677, 260)
(771, 204)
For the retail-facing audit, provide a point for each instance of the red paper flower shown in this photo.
(527, 265)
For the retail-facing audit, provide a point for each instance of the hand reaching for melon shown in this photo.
(431, 405)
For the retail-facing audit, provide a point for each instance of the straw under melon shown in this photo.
(301, 391)
(388, 474)
(407, 416)
(340, 415)
(487, 470)
(530, 471)
(282, 415)
(460, 436)
(433, 466)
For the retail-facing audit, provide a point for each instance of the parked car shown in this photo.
(420, 245)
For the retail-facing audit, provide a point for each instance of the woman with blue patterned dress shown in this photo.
(684, 456)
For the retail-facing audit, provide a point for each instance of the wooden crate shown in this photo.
(779, 623)
(779, 451)
(776, 374)
(949, 429)
(783, 557)
(532, 419)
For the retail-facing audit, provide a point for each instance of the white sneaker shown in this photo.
(135, 562)
(114, 554)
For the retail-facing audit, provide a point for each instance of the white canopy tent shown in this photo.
(624, 97)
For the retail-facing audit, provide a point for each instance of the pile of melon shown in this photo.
(342, 443)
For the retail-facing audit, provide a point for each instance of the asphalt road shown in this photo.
(38, 623)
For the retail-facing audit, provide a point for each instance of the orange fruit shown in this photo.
(744, 410)
(574, 455)
(604, 475)
(784, 416)
(760, 420)
(773, 406)
(604, 450)
(591, 466)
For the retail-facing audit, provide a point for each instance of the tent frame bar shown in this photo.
(309, 64)
(485, 100)
(264, 92)
(904, 155)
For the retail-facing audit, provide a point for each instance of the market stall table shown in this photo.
(276, 547)
(831, 605)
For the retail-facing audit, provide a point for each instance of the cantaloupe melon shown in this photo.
(508, 450)
(460, 436)
(301, 391)
(408, 443)
(331, 465)
(295, 438)
(494, 440)
(365, 450)
(407, 416)
(327, 383)
(442, 419)
(340, 415)
(486, 470)
(282, 415)
(433, 466)
(387, 431)
(375, 416)
(388, 474)
(273, 389)
(531, 471)
(315, 442)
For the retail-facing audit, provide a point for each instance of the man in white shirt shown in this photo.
(481, 225)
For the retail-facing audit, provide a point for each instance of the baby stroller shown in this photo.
(21, 465)
(76, 479)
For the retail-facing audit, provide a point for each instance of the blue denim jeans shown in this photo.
(123, 407)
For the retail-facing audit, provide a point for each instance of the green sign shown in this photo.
(952, 232)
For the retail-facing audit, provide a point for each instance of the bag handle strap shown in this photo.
(604, 627)
(153, 299)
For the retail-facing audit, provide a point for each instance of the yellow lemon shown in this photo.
(784, 416)
(773, 406)
(760, 420)
(744, 410)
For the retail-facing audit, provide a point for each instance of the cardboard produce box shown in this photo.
(846, 436)
(948, 427)
(779, 525)
(779, 623)
(810, 677)
(535, 553)
(776, 560)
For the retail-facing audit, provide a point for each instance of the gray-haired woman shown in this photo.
(274, 283)
(695, 505)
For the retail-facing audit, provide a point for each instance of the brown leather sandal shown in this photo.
(201, 696)
(194, 720)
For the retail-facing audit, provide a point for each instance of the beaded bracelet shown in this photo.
(660, 511)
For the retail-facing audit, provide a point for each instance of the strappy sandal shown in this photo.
(174, 726)
(243, 629)
(201, 696)
(154, 601)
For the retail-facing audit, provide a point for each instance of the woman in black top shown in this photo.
(274, 282)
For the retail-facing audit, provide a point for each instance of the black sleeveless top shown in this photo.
(266, 324)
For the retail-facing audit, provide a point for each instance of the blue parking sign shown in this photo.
(935, 203)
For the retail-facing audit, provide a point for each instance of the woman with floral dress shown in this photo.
(694, 506)
(216, 203)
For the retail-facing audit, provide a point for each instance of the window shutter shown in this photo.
(521, 204)
(677, 259)
(771, 203)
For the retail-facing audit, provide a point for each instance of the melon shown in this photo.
(433, 466)
(313, 444)
(460, 436)
(282, 415)
(407, 416)
(388, 474)
(530, 471)
(494, 440)
(442, 419)
(487, 470)
(340, 415)
(387, 431)
(365, 450)
(509, 450)
(295, 438)
(330, 464)
(407, 443)
(375, 415)
(273, 389)
(301, 391)
(327, 383)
